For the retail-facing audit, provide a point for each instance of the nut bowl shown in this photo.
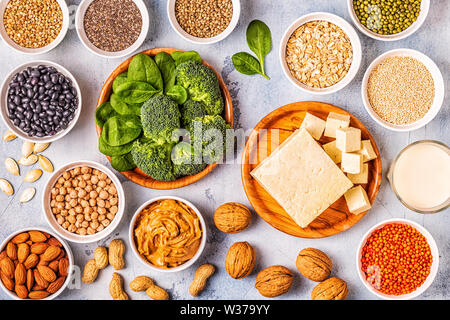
(433, 270)
(143, 260)
(74, 237)
(68, 254)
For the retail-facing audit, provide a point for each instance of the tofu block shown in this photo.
(334, 122)
(362, 177)
(357, 200)
(348, 139)
(367, 151)
(334, 153)
(302, 178)
(351, 162)
(314, 125)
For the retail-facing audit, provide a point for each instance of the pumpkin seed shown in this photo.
(45, 164)
(27, 148)
(12, 166)
(33, 175)
(9, 135)
(27, 195)
(6, 187)
(39, 147)
(28, 161)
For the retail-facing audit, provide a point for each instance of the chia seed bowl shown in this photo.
(40, 101)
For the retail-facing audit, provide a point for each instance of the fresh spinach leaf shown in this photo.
(121, 129)
(180, 56)
(247, 64)
(103, 113)
(108, 150)
(143, 68)
(123, 108)
(136, 91)
(123, 163)
(121, 78)
(178, 94)
(167, 66)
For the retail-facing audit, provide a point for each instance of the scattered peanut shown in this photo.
(116, 251)
(144, 283)
(101, 257)
(201, 276)
(90, 272)
(116, 288)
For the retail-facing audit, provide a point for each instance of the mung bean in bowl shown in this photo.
(33, 26)
(388, 20)
(402, 90)
(112, 28)
(40, 101)
(203, 21)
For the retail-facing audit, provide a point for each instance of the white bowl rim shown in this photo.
(433, 248)
(69, 256)
(186, 36)
(438, 86)
(183, 266)
(31, 51)
(79, 26)
(424, 8)
(73, 237)
(349, 31)
(4, 97)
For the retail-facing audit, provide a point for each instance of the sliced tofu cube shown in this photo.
(334, 122)
(314, 125)
(357, 200)
(334, 153)
(351, 163)
(362, 177)
(348, 139)
(367, 151)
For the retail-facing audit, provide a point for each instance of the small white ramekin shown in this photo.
(434, 253)
(4, 101)
(349, 31)
(424, 8)
(144, 261)
(66, 248)
(31, 51)
(438, 87)
(79, 25)
(50, 217)
(180, 31)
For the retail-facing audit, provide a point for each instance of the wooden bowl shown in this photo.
(137, 175)
(287, 119)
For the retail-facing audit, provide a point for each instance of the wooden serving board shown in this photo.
(260, 144)
(139, 177)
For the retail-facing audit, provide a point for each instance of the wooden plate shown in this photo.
(139, 177)
(259, 145)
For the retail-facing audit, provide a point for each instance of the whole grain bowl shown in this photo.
(403, 240)
(83, 201)
(398, 77)
(35, 264)
(42, 12)
(167, 234)
(194, 19)
(339, 48)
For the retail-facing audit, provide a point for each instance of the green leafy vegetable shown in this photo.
(123, 163)
(143, 68)
(103, 113)
(123, 108)
(120, 130)
(181, 57)
(121, 78)
(178, 94)
(247, 64)
(108, 150)
(136, 91)
(167, 66)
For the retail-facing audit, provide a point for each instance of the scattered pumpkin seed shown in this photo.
(27, 148)
(12, 166)
(33, 175)
(6, 187)
(45, 163)
(28, 161)
(27, 195)
(8, 136)
(39, 147)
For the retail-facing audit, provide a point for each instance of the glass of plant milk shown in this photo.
(420, 176)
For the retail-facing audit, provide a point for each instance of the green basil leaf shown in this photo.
(123, 108)
(143, 68)
(120, 130)
(103, 113)
(136, 91)
(167, 66)
(108, 150)
(123, 163)
(121, 78)
(180, 56)
(247, 64)
(178, 94)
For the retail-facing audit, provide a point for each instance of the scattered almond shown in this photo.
(11, 251)
(38, 248)
(9, 135)
(40, 281)
(63, 267)
(39, 147)
(7, 282)
(12, 166)
(28, 161)
(7, 267)
(27, 195)
(56, 285)
(47, 273)
(23, 250)
(27, 148)
(38, 294)
(20, 274)
(6, 187)
(30, 279)
(20, 238)
(37, 236)
(21, 291)
(31, 261)
(46, 165)
(51, 253)
(33, 175)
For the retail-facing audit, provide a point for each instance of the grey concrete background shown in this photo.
(253, 98)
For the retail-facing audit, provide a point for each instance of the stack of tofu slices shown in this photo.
(304, 177)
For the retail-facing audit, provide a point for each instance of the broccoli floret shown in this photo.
(154, 159)
(185, 161)
(160, 116)
(202, 84)
(190, 110)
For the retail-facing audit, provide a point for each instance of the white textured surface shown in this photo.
(253, 98)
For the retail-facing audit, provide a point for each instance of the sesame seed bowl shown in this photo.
(33, 49)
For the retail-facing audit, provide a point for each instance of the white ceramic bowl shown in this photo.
(183, 266)
(66, 248)
(79, 24)
(4, 100)
(424, 7)
(346, 27)
(180, 31)
(438, 87)
(50, 217)
(31, 51)
(434, 266)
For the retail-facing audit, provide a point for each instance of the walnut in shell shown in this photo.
(232, 217)
(274, 281)
(330, 289)
(240, 260)
(314, 264)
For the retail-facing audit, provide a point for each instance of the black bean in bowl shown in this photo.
(41, 101)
